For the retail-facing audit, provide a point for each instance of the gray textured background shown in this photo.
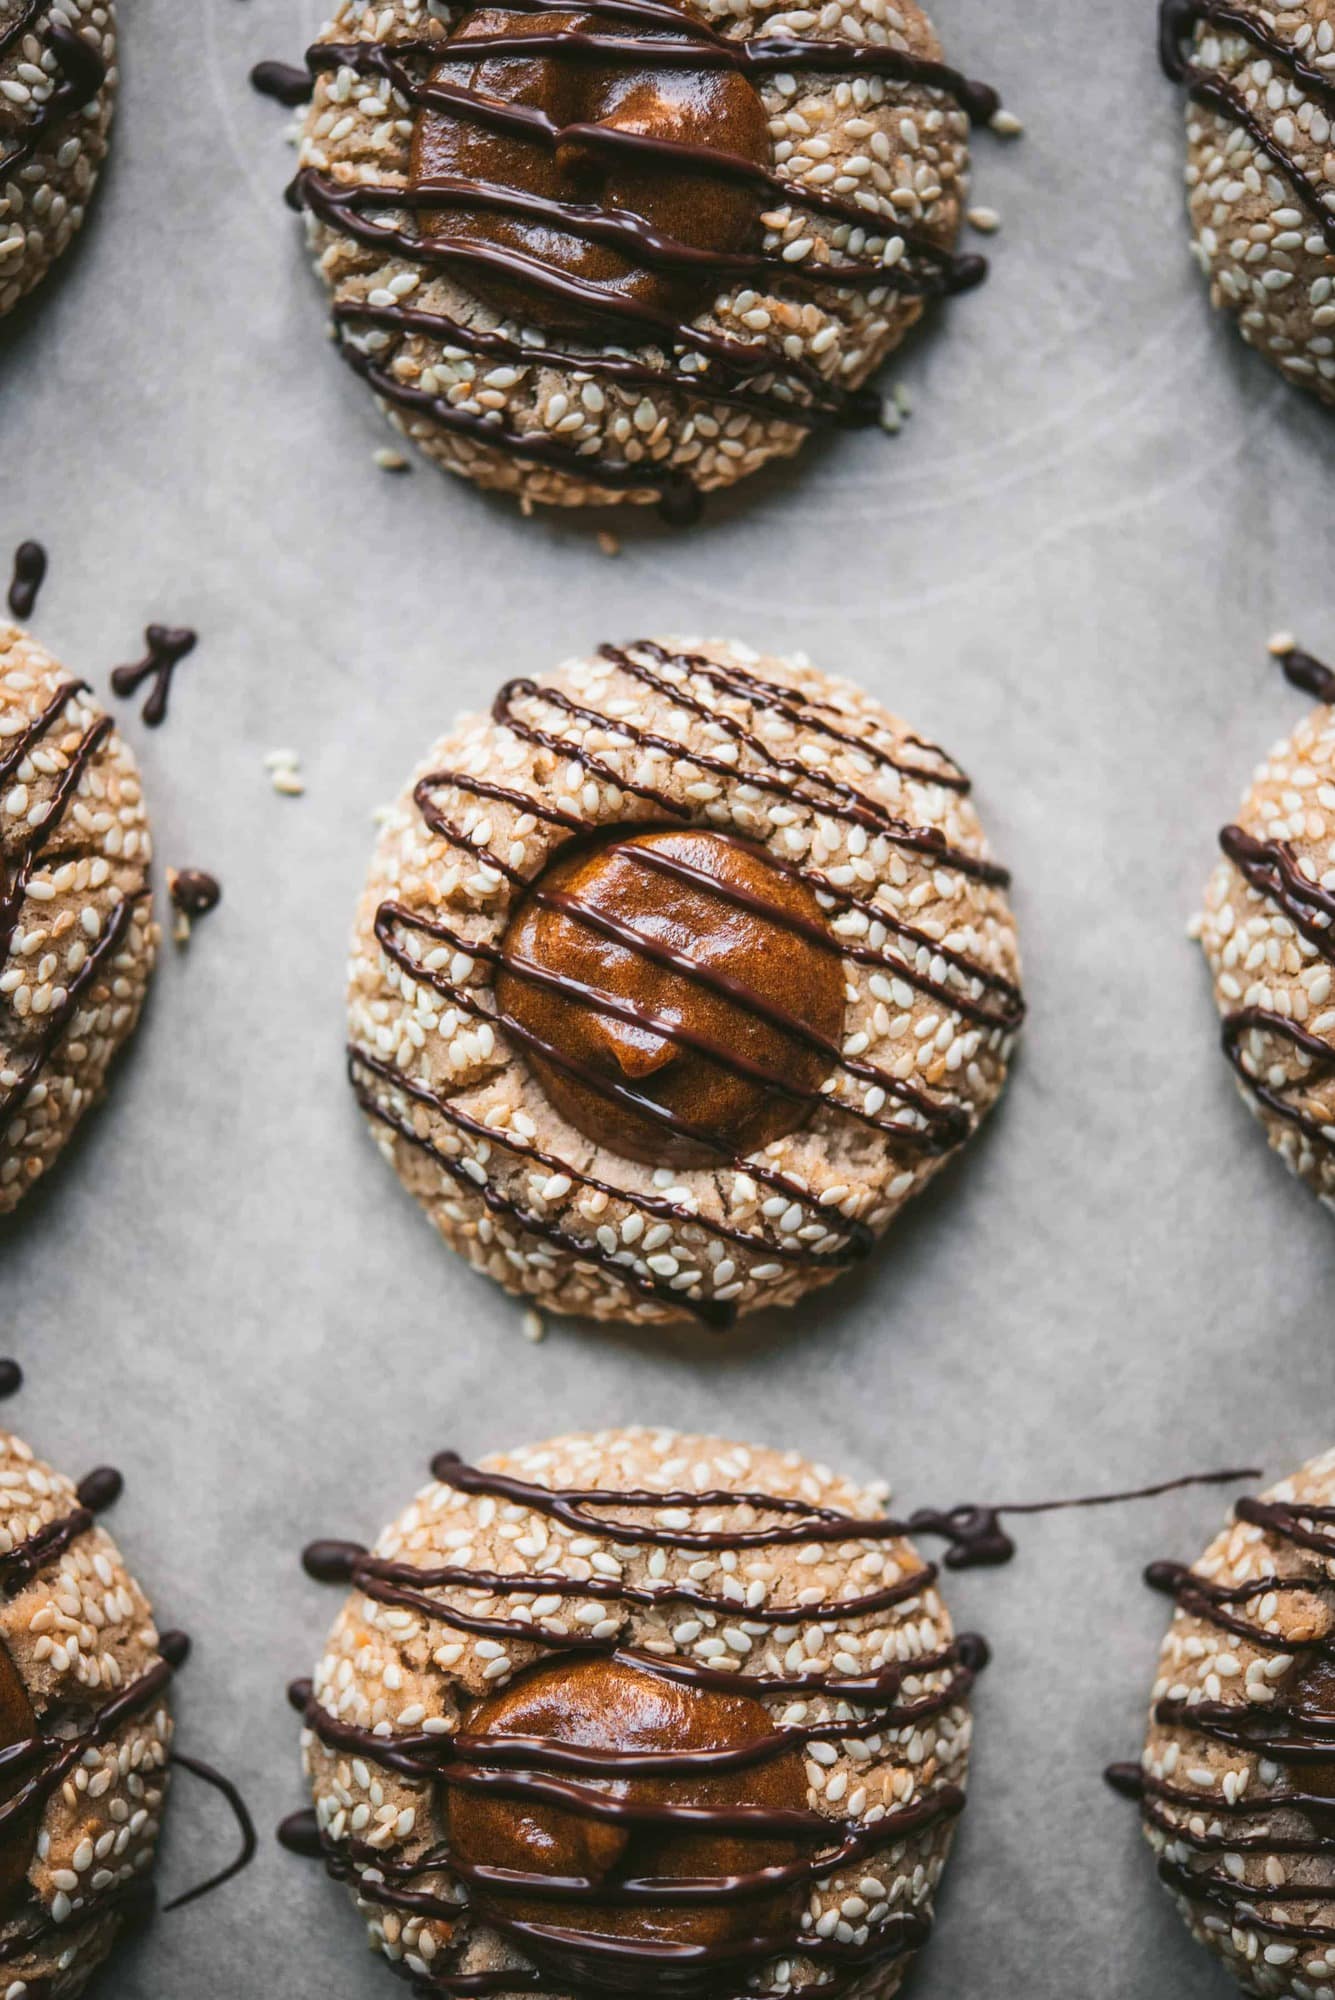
(1066, 568)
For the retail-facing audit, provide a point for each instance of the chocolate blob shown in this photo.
(647, 1876)
(18, 1837)
(672, 211)
(1313, 1704)
(728, 993)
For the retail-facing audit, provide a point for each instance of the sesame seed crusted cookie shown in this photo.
(84, 1686)
(1238, 1775)
(1261, 170)
(58, 82)
(630, 253)
(676, 976)
(77, 936)
(1267, 933)
(726, 1665)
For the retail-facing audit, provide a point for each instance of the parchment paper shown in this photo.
(1065, 568)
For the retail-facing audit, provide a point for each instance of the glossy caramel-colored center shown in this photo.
(615, 1867)
(726, 993)
(18, 1836)
(658, 180)
(1312, 1698)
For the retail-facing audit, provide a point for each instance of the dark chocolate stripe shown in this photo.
(1178, 20)
(80, 75)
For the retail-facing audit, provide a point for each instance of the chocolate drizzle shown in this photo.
(664, 349)
(1295, 1815)
(550, 1773)
(80, 74)
(1274, 870)
(11, 1379)
(909, 1115)
(21, 863)
(27, 579)
(1178, 20)
(167, 646)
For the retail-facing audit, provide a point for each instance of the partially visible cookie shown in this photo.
(58, 82)
(77, 935)
(84, 1687)
(1268, 931)
(676, 977)
(639, 1712)
(1237, 1781)
(1261, 170)
(632, 253)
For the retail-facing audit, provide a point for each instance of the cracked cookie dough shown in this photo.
(1268, 932)
(676, 976)
(1238, 1775)
(711, 1688)
(1261, 170)
(77, 936)
(83, 1686)
(632, 254)
(58, 82)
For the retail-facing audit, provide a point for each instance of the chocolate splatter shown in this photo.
(167, 646)
(28, 577)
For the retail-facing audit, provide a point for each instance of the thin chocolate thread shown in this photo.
(917, 1120)
(29, 574)
(538, 1770)
(81, 73)
(22, 864)
(735, 373)
(167, 646)
(1178, 20)
(1273, 869)
(1282, 1733)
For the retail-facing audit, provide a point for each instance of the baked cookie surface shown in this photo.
(58, 83)
(84, 1685)
(77, 935)
(676, 976)
(1268, 932)
(630, 254)
(1238, 1774)
(742, 1717)
(1261, 170)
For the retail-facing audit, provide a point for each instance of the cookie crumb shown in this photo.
(284, 771)
(609, 543)
(985, 220)
(391, 461)
(535, 1326)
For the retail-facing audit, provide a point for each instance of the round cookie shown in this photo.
(1238, 1775)
(676, 976)
(83, 1684)
(745, 1693)
(1267, 932)
(58, 82)
(77, 936)
(577, 268)
(1261, 170)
